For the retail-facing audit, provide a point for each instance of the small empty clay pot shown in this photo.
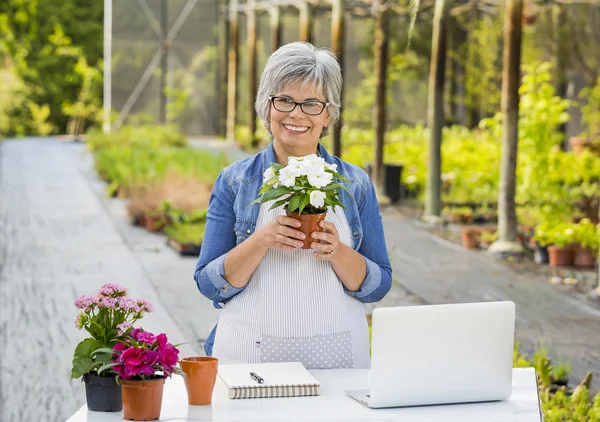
(200, 377)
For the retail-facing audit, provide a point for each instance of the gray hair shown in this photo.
(303, 63)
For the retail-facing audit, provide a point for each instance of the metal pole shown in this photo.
(106, 126)
(164, 22)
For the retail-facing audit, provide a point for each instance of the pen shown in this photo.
(257, 378)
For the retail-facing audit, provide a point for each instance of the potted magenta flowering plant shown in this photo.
(107, 316)
(307, 186)
(142, 361)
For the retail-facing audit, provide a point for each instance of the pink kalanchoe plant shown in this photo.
(142, 355)
(108, 316)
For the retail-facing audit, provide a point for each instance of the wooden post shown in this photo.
(251, 35)
(381, 60)
(561, 59)
(435, 110)
(337, 45)
(306, 22)
(507, 217)
(232, 70)
(223, 52)
(275, 28)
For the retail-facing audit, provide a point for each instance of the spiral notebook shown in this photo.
(285, 379)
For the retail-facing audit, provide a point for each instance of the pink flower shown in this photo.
(127, 304)
(134, 333)
(161, 340)
(144, 305)
(146, 337)
(169, 356)
(137, 361)
(106, 302)
(86, 301)
(113, 289)
(80, 320)
(124, 327)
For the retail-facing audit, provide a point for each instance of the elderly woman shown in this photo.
(280, 302)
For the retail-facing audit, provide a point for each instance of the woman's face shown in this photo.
(296, 131)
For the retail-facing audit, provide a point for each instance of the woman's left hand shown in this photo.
(327, 242)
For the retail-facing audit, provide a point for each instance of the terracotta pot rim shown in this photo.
(199, 359)
(159, 379)
(304, 216)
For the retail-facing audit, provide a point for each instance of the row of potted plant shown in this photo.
(125, 367)
(567, 244)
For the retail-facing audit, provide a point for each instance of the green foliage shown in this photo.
(587, 234)
(41, 45)
(186, 233)
(590, 112)
(554, 232)
(138, 156)
(559, 406)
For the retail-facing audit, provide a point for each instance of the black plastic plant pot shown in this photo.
(103, 394)
(540, 254)
(392, 175)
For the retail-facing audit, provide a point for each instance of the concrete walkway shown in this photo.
(60, 237)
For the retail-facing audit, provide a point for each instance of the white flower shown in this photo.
(268, 174)
(317, 198)
(297, 167)
(318, 177)
(287, 177)
(332, 167)
(312, 160)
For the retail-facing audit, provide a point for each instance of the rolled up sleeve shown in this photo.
(378, 279)
(219, 239)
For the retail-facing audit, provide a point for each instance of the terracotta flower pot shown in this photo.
(200, 377)
(584, 258)
(308, 223)
(579, 144)
(154, 224)
(470, 237)
(561, 256)
(142, 399)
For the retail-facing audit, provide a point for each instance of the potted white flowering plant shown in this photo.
(307, 186)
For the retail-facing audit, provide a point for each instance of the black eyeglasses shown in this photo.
(287, 105)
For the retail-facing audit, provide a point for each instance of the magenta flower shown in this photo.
(146, 337)
(169, 356)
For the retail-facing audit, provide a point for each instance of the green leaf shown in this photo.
(294, 203)
(82, 362)
(304, 200)
(278, 204)
(274, 194)
(107, 366)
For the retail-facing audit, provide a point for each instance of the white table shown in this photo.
(334, 405)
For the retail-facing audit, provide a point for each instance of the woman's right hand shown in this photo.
(280, 233)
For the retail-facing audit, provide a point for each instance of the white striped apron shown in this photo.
(294, 308)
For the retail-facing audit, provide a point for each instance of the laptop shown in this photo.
(440, 354)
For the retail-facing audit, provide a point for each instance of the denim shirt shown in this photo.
(232, 217)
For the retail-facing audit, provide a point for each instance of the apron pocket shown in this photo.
(319, 352)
